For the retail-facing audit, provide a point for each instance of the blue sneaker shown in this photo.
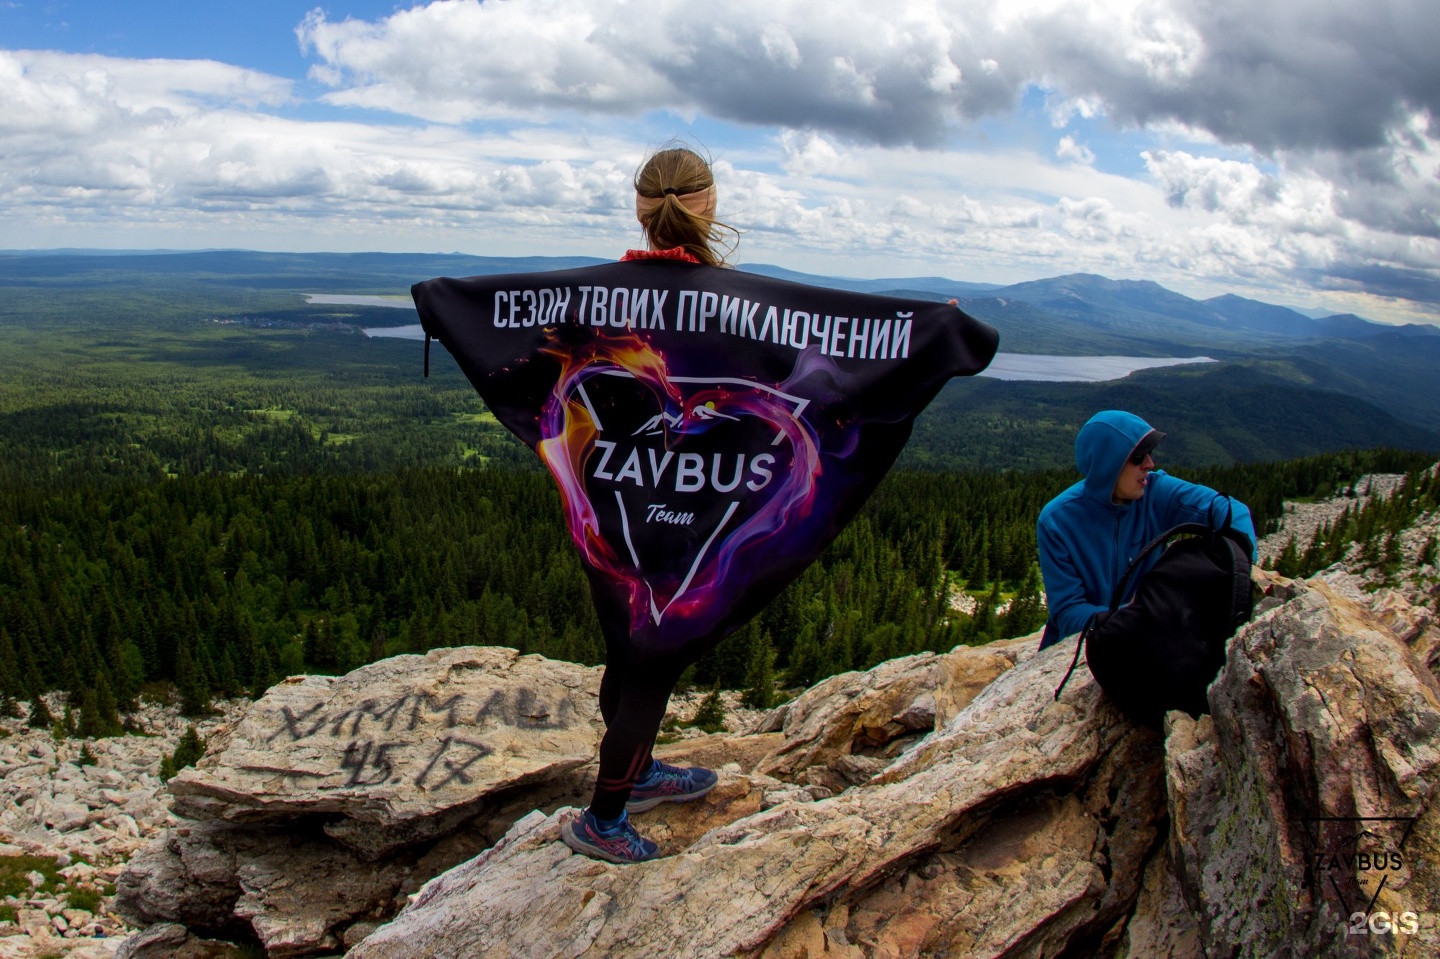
(621, 843)
(670, 784)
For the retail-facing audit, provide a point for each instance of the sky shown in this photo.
(1283, 150)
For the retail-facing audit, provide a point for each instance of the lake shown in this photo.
(1006, 366)
(328, 299)
(1035, 367)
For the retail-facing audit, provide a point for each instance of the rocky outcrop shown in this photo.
(1027, 827)
(258, 866)
(400, 751)
(1021, 820)
(941, 804)
(87, 807)
(849, 727)
(332, 798)
(1308, 800)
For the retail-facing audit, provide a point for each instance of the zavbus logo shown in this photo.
(1352, 859)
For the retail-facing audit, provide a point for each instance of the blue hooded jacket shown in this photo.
(1087, 541)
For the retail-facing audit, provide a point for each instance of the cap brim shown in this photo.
(1147, 444)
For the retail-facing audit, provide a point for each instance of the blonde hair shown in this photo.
(675, 204)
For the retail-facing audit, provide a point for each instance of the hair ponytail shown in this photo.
(675, 204)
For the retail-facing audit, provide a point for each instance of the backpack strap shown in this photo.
(1150, 547)
(1079, 645)
(1229, 512)
(1094, 621)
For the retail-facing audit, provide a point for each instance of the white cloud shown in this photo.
(1068, 149)
(1287, 140)
(1313, 76)
(1283, 74)
(886, 75)
(810, 154)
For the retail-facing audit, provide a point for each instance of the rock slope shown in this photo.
(88, 819)
(941, 804)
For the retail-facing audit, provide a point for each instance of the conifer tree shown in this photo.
(805, 656)
(311, 641)
(1288, 562)
(99, 716)
(710, 717)
(190, 748)
(191, 683)
(760, 677)
(264, 675)
(40, 717)
(1025, 614)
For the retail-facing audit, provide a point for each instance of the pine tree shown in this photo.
(710, 717)
(760, 677)
(1288, 562)
(187, 753)
(193, 687)
(189, 750)
(311, 642)
(1024, 615)
(98, 714)
(984, 625)
(805, 656)
(264, 675)
(40, 717)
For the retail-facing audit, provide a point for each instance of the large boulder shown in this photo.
(846, 728)
(400, 751)
(332, 799)
(1305, 810)
(292, 887)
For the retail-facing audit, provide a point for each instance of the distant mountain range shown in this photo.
(1286, 384)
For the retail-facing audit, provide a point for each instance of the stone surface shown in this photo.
(1163, 923)
(1300, 520)
(1026, 827)
(170, 941)
(844, 729)
(1321, 715)
(297, 861)
(1018, 799)
(399, 751)
(296, 890)
(43, 790)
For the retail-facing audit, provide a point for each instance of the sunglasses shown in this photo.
(1138, 457)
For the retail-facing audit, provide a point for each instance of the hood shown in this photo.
(1101, 448)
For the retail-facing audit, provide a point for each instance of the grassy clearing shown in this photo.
(15, 870)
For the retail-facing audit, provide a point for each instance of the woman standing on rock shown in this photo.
(675, 204)
(710, 432)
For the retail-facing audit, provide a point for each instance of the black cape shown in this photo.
(710, 431)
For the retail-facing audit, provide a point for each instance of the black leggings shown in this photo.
(632, 702)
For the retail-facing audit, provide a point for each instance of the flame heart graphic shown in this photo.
(670, 483)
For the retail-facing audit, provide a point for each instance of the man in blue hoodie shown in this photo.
(1089, 534)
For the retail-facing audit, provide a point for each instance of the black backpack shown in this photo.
(1162, 650)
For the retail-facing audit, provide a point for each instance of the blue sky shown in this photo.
(1286, 151)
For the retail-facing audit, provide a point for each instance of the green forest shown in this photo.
(203, 494)
(222, 585)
